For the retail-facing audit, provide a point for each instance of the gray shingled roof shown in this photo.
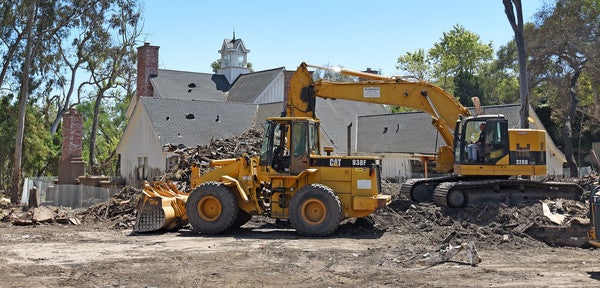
(168, 116)
(267, 110)
(249, 86)
(190, 85)
(412, 132)
(335, 115)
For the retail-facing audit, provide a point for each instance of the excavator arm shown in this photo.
(444, 109)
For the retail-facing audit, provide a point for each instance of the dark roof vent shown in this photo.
(192, 85)
(190, 116)
(168, 118)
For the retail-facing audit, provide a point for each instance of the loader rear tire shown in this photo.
(316, 211)
(212, 208)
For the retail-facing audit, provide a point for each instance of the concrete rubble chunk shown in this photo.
(43, 215)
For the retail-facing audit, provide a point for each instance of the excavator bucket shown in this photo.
(161, 209)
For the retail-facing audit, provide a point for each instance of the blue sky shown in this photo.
(353, 34)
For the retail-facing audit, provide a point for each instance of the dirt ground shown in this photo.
(388, 249)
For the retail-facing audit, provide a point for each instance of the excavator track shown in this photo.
(511, 191)
(421, 189)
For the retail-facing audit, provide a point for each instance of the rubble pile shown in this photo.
(121, 208)
(248, 143)
(492, 224)
(21, 216)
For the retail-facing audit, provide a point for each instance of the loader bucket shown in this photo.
(161, 209)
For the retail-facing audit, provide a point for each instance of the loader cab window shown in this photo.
(266, 149)
(299, 138)
(275, 149)
(302, 145)
(313, 138)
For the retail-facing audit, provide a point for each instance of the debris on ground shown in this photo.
(447, 253)
(495, 224)
(21, 216)
(120, 208)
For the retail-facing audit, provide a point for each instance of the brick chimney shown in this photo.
(370, 71)
(71, 164)
(147, 67)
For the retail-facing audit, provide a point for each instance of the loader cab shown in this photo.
(473, 148)
(288, 144)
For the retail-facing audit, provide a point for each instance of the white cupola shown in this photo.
(234, 59)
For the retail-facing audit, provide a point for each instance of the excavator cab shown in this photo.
(481, 140)
(288, 143)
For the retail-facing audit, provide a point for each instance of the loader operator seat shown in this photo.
(281, 159)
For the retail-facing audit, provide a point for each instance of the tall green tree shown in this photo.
(416, 64)
(467, 85)
(48, 45)
(458, 51)
(111, 65)
(563, 44)
(514, 12)
(499, 78)
(23, 98)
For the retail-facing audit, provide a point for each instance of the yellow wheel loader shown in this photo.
(289, 180)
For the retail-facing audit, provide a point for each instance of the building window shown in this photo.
(142, 168)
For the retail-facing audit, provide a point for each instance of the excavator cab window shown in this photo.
(481, 140)
(470, 139)
(496, 145)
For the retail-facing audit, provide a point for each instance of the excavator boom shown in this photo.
(444, 109)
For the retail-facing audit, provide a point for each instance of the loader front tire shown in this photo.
(315, 211)
(212, 208)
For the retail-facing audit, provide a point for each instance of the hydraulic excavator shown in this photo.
(500, 166)
(292, 180)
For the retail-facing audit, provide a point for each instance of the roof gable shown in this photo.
(233, 44)
(249, 86)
